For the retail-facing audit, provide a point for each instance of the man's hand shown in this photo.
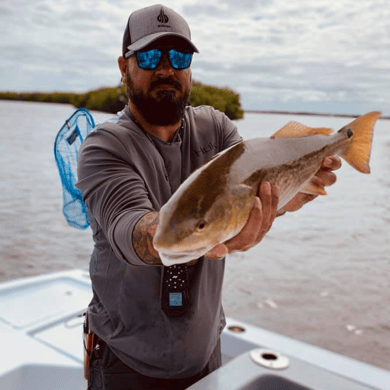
(323, 178)
(259, 223)
(264, 211)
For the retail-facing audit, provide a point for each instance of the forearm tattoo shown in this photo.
(143, 238)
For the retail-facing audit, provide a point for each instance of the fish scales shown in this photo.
(214, 203)
(282, 163)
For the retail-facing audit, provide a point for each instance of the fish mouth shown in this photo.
(169, 258)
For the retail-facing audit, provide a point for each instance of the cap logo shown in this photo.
(162, 18)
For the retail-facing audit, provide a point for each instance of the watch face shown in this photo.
(175, 299)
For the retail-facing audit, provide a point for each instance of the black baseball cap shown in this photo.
(151, 23)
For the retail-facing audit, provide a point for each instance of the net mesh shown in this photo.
(66, 151)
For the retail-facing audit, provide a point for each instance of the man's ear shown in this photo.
(122, 63)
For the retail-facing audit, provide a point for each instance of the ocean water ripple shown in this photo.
(320, 275)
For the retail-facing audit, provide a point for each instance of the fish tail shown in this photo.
(358, 152)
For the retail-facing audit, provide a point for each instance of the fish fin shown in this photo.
(244, 195)
(358, 152)
(311, 189)
(243, 191)
(297, 130)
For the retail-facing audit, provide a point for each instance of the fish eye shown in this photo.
(201, 225)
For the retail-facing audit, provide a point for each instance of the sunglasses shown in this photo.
(151, 59)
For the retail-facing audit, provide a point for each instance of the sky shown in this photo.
(297, 55)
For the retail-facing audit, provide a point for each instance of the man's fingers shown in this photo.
(323, 178)
(266, 201)
(325, 173)
(298, 201)
(217, 253)
(247, 236)
(269, 197)
(275, 201)
(259, 222)
(332, 162)
(328, 178)
(316, 181)
(265, 193)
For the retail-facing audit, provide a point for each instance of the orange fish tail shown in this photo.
(358, 152)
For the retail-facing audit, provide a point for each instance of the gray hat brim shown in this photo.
(143, 42)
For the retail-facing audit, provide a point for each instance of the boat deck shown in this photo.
(41, 329)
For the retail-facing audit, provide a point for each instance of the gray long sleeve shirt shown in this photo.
(124, 174)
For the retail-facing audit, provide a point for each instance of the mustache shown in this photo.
(166, 81)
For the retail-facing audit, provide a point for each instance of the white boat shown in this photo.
(41, 338)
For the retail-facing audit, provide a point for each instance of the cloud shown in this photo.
(336, 52)
(271, 51)
(225, 8)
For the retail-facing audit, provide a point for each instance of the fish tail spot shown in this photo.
(346, 130)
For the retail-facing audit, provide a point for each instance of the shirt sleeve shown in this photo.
(227, 129)
(113, 190)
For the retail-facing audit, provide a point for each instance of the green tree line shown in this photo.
(114, 99)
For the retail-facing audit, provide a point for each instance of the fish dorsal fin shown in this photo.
(297, 130)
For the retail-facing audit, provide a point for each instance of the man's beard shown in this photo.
(165, 109)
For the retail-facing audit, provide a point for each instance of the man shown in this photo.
(151, 332)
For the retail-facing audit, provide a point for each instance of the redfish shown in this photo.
(214, 203)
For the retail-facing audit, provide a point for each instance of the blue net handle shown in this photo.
(66, 150)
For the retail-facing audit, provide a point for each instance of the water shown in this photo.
(320, 275)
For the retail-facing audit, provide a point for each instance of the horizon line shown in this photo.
(308, 113)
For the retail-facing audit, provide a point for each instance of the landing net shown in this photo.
(66, 152)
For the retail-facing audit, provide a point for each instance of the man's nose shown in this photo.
(165, 66)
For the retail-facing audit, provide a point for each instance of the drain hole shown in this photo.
(236, 329)
(269, 359)
(269, 356)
